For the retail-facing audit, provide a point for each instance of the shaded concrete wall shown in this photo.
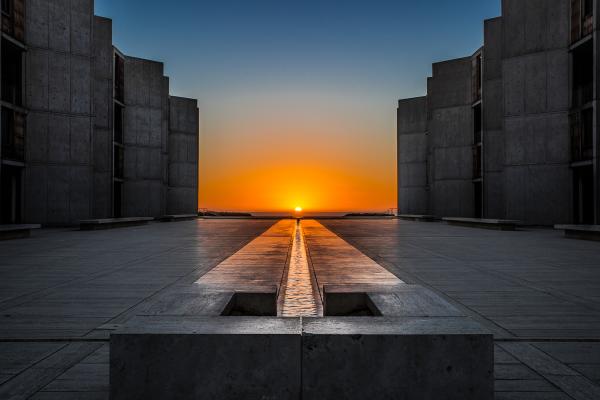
(182, 195)
(493, 121)
(413, 196)
(145, 135)
(450, 150)
(536, 104)
(58, 184)
(102, 137)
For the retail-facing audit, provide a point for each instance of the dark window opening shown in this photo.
(13, 135)
(477, 123)
(582, 19)
(583, 195)
(119, 78)
(118, 123)
(118, 162)
(583, 75)
(10, 194)
(12, 73)
(476, 78)
(478, 187)
(582, 135)
(477, 161)
(6, 7)
(117, 199)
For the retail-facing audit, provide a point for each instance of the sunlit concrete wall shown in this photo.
(412, 156)
(451, 139)
(536, 110)
(58, 183)
(102, 137)
(145, 138)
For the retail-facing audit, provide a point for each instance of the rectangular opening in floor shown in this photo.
(350, 305)
(251, 305)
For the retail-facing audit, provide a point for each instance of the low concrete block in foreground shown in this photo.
(8, 232)
(111, 223)
(396, 358)
(582, 232)
(495, 224)
(160, 357)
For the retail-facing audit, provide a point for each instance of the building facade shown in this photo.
(86, 130)
(511, 131)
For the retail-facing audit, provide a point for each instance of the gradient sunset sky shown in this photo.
(298, 98)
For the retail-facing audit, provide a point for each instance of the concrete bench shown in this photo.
(111, 223)
(495, 224)
(16, 231)
(180, 217)
(582, 232)
(419, 218)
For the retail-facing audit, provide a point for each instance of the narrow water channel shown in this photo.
(300, 299)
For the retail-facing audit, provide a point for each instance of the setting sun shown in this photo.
(298, 209)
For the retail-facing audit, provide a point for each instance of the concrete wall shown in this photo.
(493, 121)
(451, 139)
(58, 184)
(102, 137)
(412, 156)
(536, 104)
(145, 133)
(182, 195)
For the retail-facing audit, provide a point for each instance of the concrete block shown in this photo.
(58, 194)
(59, 138)
(130, 163)
(103, 48)
(494, 151)
(536, 94)
(412, 147)
(451, 127)
(80, 140)
(412, 115)
(453, 163)
(81, 88)
(37, 79)
(36, 181)
(59, 25)
(358, 358)
(155, 127)
(59, 82)
(37, 137)
(453, 198)
(412, 175)
(413, 200)
(493, 112)
(413, 301)
(81, 28)
(36, 25)
(102, 199)
(102, 140)
(558, 23)
(148, 163)
(557, 63)
(142, 122)
(514, 86)
(182, 200)
(224, 358)
(130, 125)
(558, 139)
(103, 103)
(494, 195)
(79, 193)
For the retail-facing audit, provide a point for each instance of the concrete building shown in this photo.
(510, 130)
(85, 128)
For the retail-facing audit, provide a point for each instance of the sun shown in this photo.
(298, 209)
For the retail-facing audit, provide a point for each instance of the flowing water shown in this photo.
(300, 299)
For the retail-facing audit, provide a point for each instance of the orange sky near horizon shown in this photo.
(282, 148)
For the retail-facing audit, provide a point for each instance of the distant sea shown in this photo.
(304, 214)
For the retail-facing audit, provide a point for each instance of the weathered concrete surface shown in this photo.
(58, 92)
(110, 223)
(412, 156)
(450, 151)
(383, 358)
(73, 285)
(207, 358)
(496, 224)
(182, 196)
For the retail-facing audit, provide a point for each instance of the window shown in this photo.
(12, 73)
(119, 78)
(6, 6)
(118, 161)
(118, 123)
(588, 8)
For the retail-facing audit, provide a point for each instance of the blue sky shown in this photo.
(248, 60)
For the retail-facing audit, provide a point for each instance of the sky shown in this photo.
(298, 98)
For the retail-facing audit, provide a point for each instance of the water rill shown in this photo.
(300, 298)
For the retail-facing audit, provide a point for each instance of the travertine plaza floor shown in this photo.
(63, 291)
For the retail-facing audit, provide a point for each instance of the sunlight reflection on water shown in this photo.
(299, 297)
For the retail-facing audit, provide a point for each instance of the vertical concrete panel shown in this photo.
(36, 22)
(81, 77)
(79, 193)
(80, 140)
(36, 185)
(58, 195)
(37, 79)
(59, 80)
(59, 25)
(37, 137)
(59, 139)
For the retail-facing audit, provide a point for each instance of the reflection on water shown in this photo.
(299, 298)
